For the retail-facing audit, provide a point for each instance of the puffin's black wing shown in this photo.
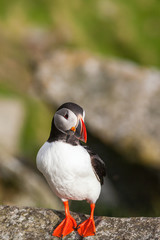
(97, 164)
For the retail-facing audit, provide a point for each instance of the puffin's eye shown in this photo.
(66, 116)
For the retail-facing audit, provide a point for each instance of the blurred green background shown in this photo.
(116, 28)
(123, 29)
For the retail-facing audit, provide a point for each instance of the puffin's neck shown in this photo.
(57, 135)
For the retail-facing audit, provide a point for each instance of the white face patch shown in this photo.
(65, 119)
(83, 115)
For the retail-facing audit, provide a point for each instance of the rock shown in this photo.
(11, 121)
(35, 223)
(121, 100)
(20, 184)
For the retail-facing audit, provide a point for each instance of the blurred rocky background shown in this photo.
(104, 55)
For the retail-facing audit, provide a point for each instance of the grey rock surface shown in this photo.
(121, 99)
(35, 223)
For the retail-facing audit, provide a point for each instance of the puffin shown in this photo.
(72, 170)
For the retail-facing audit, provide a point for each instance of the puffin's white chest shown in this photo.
(68, 171)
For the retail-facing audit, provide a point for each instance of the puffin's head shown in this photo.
(69, 119)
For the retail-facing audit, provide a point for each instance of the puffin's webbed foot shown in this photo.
(87, 228)
(65, 227)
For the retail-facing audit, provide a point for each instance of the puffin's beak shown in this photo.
(80, 131)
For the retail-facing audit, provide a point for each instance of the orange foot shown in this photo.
(65, 227)
(87, 228)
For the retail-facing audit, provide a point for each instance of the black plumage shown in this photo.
(97, 164)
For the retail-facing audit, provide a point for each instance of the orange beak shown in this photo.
(83, 136)
(80, 131)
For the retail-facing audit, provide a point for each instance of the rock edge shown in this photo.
(37, 223)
